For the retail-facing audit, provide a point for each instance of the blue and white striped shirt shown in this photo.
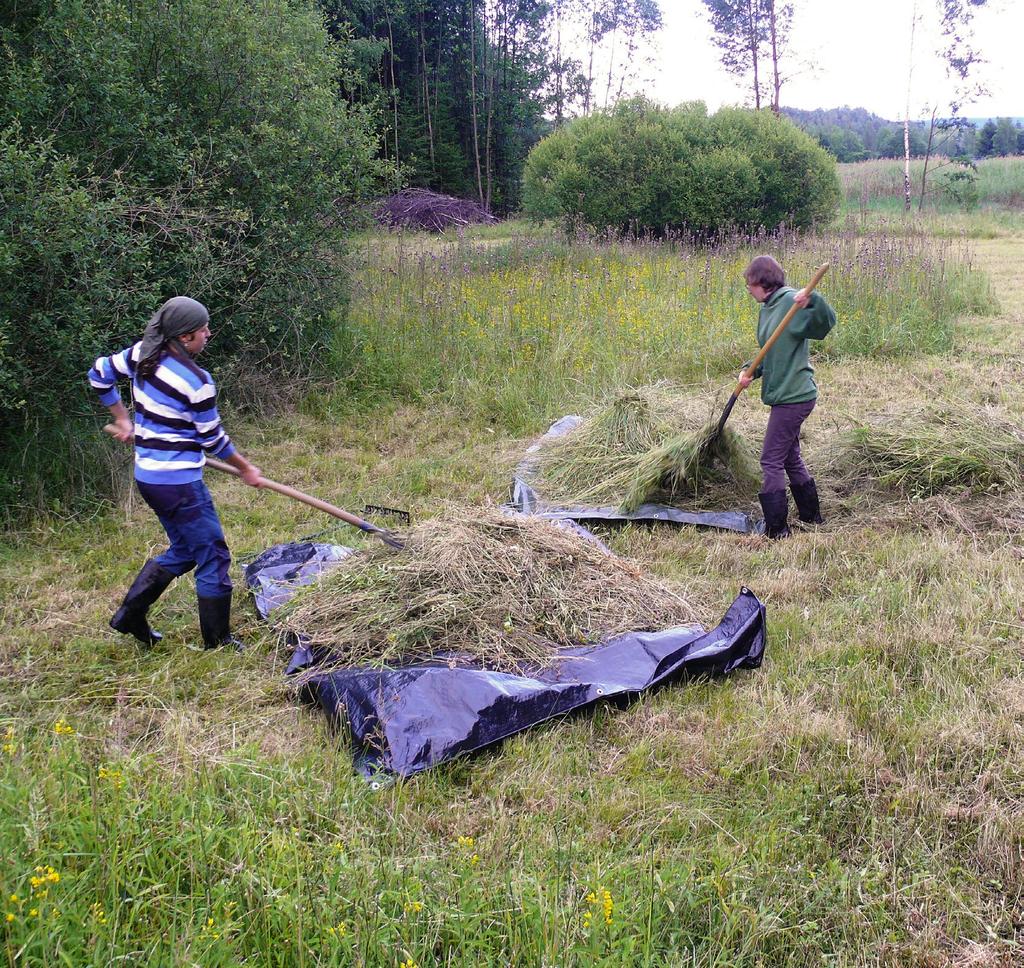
(176, 419)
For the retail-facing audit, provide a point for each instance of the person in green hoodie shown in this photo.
(788, 387)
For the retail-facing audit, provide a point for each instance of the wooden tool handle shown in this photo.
(793, 310)
(296, 495)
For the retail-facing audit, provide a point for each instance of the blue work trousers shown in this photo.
(197, 539)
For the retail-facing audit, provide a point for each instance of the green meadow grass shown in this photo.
(505, 330)
(853, 802)
(878, 184)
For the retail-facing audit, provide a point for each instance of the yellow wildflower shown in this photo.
(10, 917)
(33, 913)
(338, 932)
(63, 728)
(113, 776)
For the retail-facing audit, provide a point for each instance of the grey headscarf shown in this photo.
(177, 316)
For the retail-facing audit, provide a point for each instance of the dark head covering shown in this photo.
(177, 316)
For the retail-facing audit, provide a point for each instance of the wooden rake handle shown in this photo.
(296, 495)
(793, 310)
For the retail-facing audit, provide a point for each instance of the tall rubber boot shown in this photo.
(806, 497)
(215, 622)
(775, 505)
(130, 619)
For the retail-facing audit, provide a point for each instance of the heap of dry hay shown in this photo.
(934, 451)
(643, 444)
(423, 209)
(503, 590)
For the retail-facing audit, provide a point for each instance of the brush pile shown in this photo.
(644, 444)
(423, 209)
(504, 591)
(930, 452)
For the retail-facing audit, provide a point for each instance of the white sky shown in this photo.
(857, 52)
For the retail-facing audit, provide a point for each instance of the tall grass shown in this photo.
(110, 859)
(510, 328)
(878, 184)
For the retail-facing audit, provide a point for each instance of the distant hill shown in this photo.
(978, 122)
(856, 134)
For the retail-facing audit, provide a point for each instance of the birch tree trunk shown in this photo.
(426, 96)
(927, 156)
(776, 83)
(752, 27)
(472, 98)
(394, 85)
(906, 116)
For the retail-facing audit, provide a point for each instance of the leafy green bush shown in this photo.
(148, 150)
(643, 168)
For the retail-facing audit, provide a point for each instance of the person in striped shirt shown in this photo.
(176, 425)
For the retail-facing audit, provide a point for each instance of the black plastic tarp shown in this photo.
(409, 719)
(527, 500)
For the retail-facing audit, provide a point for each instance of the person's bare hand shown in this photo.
(745, 379)
(802, 298)
(253, 476)
(124, 429)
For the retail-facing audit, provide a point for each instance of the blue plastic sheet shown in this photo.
(409, 719)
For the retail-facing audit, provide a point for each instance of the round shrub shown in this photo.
(644, 168)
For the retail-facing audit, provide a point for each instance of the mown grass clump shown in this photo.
(639, 445)
(929, 452)
(501, 590)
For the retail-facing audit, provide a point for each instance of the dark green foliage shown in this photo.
(459, 85)
(648, 169)
(854, 134)
(960, 185)
(149, 150)
(986, 136)
(1004, 142)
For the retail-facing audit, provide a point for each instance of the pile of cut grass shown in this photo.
(643, 444)
(504, 591)
(929, 452)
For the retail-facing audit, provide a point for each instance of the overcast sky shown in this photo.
(857, 54)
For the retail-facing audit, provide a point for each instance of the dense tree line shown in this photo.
(855, 134)
(466, 87)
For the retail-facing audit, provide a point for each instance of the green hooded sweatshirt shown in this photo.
(786, 372)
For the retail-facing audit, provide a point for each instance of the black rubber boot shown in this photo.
(130, 619)
(215, 622)
(807, 507)
(775, 505)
